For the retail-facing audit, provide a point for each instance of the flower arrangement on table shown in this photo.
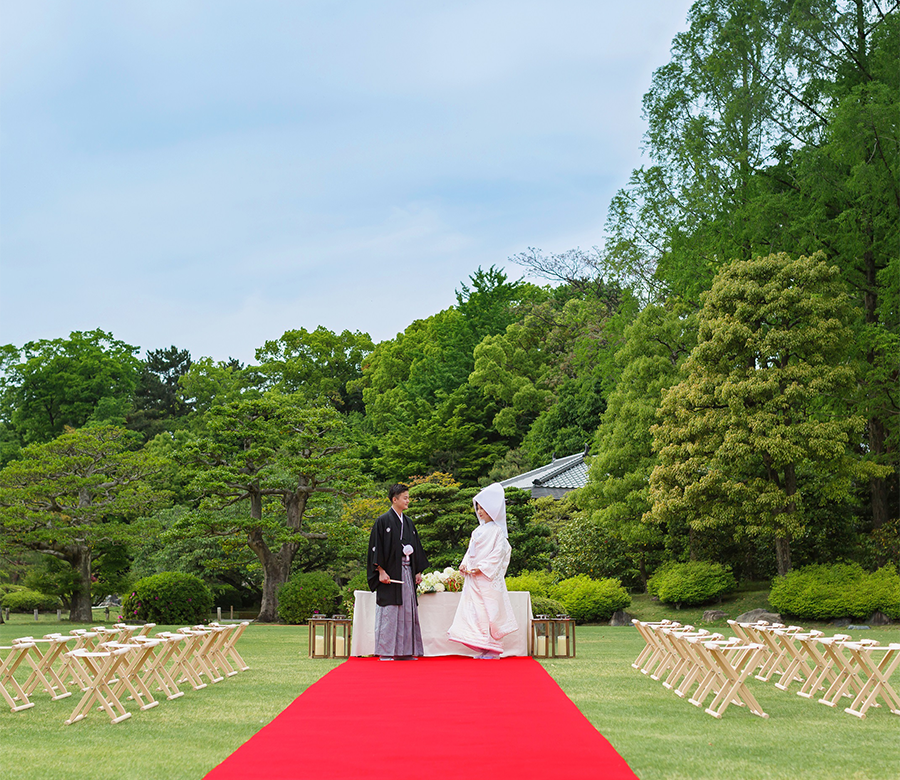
(439, 581)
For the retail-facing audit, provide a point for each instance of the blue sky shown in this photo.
(212, 174)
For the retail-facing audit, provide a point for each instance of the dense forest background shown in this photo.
(728, 354)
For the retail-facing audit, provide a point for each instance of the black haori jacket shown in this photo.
(386, 550)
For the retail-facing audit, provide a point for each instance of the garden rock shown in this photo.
(712, 615)
(840, 623)
(620, 618)
(755, 615)
(879, 619)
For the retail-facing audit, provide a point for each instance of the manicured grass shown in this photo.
(660, 735)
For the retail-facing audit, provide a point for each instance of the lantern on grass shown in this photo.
(540, 633)
(320, 636)
(562, 631)
(341, 629)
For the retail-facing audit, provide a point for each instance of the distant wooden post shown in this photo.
(219, 614)
(107, 613)
(58, 615)
(232, 611)
(35, 616)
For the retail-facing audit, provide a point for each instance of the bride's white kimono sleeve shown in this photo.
(485, 613)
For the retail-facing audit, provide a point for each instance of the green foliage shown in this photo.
(318, 364)
(541, 605)
(822, 592)
(77, 498)
(445, 519)
(171, 598)
(537, 583)
(694, 582)
(49, 385)
(348, 599)
(305, 594)
(588, 600)
(759, 429)
(27, 600)
(586, 547)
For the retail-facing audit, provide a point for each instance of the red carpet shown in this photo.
(444, 717)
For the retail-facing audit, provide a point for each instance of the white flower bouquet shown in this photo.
(439, 581)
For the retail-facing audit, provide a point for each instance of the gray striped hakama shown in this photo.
(397, 631)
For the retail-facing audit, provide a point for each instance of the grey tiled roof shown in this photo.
(567, 473)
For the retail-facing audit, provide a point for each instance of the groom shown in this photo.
(395, 565)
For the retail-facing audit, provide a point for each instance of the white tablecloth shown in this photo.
(436, 612)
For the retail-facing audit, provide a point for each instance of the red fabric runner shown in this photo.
(441, 717)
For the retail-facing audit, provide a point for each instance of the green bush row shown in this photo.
(584, 599)
(691, 583)
(843, 590)
(169, 598)
(24, 600)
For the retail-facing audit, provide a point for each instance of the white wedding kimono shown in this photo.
(485, 614)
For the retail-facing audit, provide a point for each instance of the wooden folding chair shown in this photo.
(692, 669)
(200, 658)
(648, 657)
(183, 667)
(798, 660)
(132, 672)
(42, 663)
(847, 672)
(229, 649)
(101, 669)
(674, 660)
(15, 697)
(822, 670)
(878, 675)
(165, 650)
(732, 663)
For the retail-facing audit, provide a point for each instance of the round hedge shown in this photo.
(26, 600)
(169, 598)
(305, 594)
(590, 601)
(694, 582)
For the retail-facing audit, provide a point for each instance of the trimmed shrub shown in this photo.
(305, 594)
(541, 605)
(694, 582)
(821, 592)
(590, 601)
(25, 600)
(537, 583)
(169, 598)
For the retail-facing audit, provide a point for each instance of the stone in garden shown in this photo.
(620, 618)
(712, 615)
(840, 623)
(755, 615)
(879, 619)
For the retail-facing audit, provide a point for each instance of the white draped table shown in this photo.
(436, 612)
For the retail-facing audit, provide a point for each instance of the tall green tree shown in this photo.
(616, 497)
(759, 429)
(274, 460)
(51, 384)
(157, 401)
(74, 497)
(318, 364)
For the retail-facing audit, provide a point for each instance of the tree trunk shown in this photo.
(275, 574)
(783, 554)
(80, 559)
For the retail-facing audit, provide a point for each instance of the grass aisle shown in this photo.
(660, 735)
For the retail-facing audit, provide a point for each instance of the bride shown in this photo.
(485, 615)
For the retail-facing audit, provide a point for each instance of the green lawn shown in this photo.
(660, 735)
